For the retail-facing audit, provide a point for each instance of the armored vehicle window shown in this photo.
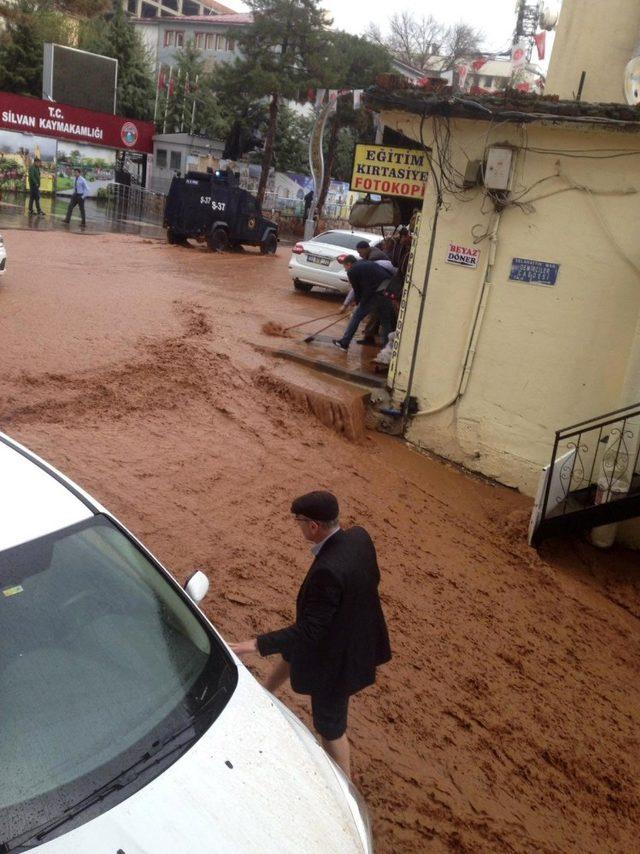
(248, 204)
(175, 159)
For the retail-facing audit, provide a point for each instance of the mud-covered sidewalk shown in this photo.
(508, 719)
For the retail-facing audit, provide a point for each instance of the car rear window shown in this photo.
(340, 238)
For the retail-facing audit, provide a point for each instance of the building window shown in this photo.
(191, 8)
(171, 4)
(199, 40)
(148, 11)
(169, 38)
(209, 41)
(132, 7)
(161, 158)
(179, 38)
(176, 159)
(231, 45)
(219, 41)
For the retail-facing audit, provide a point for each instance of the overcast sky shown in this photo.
(495, 18)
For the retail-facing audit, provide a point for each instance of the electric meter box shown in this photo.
(497, 172)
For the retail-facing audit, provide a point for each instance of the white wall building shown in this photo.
(163, 37)
(599, 38)
(522, 316)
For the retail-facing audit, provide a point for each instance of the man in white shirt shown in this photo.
(80, 192)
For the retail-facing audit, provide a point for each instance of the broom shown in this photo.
(313, 319)
(310, 338)
(274, 328)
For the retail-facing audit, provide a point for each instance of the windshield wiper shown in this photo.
(123, 779)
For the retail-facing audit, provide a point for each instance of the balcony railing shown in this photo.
(593, 477)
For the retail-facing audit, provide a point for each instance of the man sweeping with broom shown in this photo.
(369, 281)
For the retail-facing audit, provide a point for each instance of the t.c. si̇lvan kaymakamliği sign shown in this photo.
(390, 171)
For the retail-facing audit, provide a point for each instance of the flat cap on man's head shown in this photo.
(363, 244)
(319, 506)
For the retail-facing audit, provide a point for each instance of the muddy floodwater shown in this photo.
(508, 719)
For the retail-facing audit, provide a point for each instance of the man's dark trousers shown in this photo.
(382, 306)
(34, 199)
(76, 199)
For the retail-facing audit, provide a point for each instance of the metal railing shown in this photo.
(593, 463)
(134, 204)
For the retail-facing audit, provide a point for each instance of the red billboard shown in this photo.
(48, 118)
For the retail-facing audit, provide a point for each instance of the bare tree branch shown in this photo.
(461, 42)
(416, 40)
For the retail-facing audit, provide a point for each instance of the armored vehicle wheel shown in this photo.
(269, 244)
(305, 287)
(218, 240)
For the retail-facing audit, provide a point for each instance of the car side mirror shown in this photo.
(197, 586)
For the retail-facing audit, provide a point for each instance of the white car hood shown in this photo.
(281, 795)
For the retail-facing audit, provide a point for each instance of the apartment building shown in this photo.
(210, 34)
(174, 8)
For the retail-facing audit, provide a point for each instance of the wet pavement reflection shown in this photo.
(14, 213)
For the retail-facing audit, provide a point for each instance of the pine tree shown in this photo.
(277, 52)
(348, 62)
(21, 58)
(117, 38)
(29, 24)
(291, 147)
(186, 94)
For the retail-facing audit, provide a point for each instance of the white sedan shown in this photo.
(316, 262)
(127, 723)
(3, 256)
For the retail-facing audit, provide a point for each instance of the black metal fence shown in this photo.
(594, 465)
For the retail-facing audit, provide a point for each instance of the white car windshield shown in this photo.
(106, 677)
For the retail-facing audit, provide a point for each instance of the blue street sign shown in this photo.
(535, 272)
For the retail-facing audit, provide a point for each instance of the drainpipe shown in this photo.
(476, 326)
(423, 300)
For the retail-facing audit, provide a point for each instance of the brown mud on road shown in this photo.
(508, 718)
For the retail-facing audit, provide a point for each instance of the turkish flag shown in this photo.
(171, 88)
(478, 63)
(541, 42)
(162, 82)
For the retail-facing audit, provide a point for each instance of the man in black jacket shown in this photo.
(369, 281)
(340, 635)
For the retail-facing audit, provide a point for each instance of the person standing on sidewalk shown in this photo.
(340, 636)
(80, 191)
(369, 280)
(34, 187)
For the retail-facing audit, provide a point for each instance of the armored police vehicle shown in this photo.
(211, 206)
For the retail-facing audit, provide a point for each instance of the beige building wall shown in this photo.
(545, 357)
(599, 37)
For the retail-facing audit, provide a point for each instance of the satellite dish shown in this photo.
(632, 81)
(549, 15)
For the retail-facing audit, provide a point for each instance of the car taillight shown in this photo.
(298, 249)
(341, 258)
